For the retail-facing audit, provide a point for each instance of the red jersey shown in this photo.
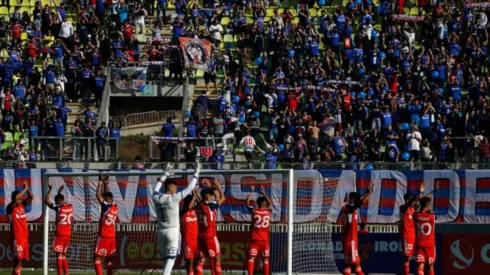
(206, 217)
(107, 224)
(16, 30)
(425, 223)
(407, 226)
(64, 217)
(189, 224)
(349, 228)
(261, 218)
(18, 222)
(128, 31)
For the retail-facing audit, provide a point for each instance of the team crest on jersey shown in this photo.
(58, 248)
(206, 151)
(102, 252)
(211, 253)
(19, 248)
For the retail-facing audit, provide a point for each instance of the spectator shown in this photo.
(414, 138)
(102, 133)
(219, 126)
(168, 128)
(191, 153)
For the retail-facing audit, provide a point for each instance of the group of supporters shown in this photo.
(199, 216)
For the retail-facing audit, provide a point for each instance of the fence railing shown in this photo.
(147, 117)
(76, 148)
(155, 148)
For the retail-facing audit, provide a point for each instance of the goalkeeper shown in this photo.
(167, 209)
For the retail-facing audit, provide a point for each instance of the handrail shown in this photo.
(149, 117)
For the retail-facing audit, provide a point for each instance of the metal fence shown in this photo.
(148, 117)
(76, 148)
(155, 148)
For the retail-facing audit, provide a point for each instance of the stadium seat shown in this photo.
(199, 74)
(225, 21)
(4, 11)
(46, 2)
(228, 38)
(414, 11)
(24, 36)
(9, 137)
(25, 9)
(313, 12)
(270, 12)
(17, 136)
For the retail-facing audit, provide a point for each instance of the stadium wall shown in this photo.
(463, 196)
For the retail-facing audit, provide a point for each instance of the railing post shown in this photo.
(60, 148)
(117, 149)
(89, 150)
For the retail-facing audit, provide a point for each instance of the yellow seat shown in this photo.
(9, 137)
(23, 36)
(270, 12)
(225, 21)
(228, 38)
(312, 12)
(46, 2)
(414, 11)
(4, 11)
(25, 9)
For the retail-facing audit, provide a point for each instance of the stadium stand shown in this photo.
(328, 80)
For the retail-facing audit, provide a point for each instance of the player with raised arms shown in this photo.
(18, 227)
(407, 226)
(259, 234)
(349, 230)
(64, 216)
(106, 240)
(206, 216)
(189, 232)
(425, 221)
(167, 210)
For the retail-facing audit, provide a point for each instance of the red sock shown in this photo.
(250, 267)
(420, 270)
(59, 266)
(218, 269)
(199, 268)
(359, 271)
(406, 268)
(65, 265)
(347, 271)
(109, 268)
(431, 271)
(16, 270)
(212, 265)
(98, 267)
(190, 272)
(267, 268)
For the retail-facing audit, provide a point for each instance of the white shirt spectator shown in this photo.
(413, 141)
(66, 29)
(269, 100)
(215, 31)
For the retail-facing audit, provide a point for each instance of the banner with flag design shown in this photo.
(463, 195)
(197, 53)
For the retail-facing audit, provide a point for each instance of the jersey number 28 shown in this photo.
(261, 222)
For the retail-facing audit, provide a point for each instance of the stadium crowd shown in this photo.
(353, 81)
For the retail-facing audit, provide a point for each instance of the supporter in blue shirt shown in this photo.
(167, 128)
(191, 128)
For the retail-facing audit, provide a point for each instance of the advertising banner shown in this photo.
(129, 78)
(197, 53)
(463, 195)
(465, 253)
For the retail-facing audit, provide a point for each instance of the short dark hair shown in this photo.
(408, 196)
(59, 197)
(354, 195)
(261, 200)
(187, 200)
(207, 191)
(107, 195)
(169, 182)
(424, 202)
(14, 194)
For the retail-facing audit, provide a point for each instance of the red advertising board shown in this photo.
(465, 253)
(135, 250)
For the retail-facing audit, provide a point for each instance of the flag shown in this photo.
(197, 53)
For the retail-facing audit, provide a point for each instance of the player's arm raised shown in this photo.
(195, 196)
(365, 197)
(47, 198)
(192, 185)
(222, 197)
(30, 196)
(98, 193)
(268, 200)
(249, 197)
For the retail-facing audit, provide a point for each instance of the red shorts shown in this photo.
(351, 252)
(20, 249)
(60, 244)
(209, 247)
(257, 247)
(408, 246)
(426, 255)
(191, 250)
(105, 247)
